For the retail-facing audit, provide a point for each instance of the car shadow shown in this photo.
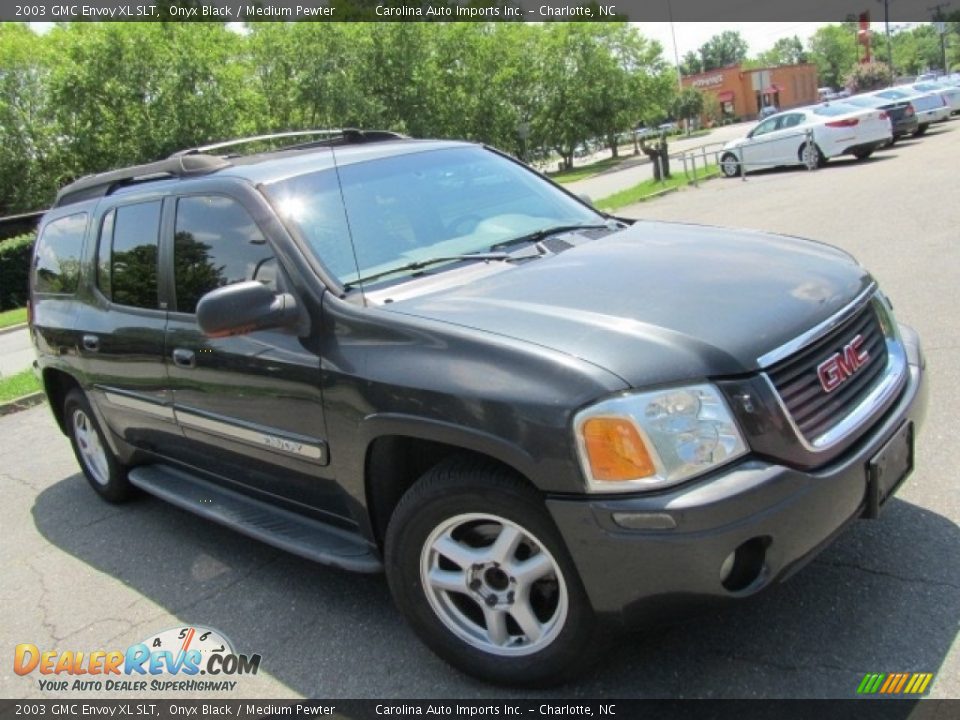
(883, 598)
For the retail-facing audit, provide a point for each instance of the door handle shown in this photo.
(91, 343)
(184, 358)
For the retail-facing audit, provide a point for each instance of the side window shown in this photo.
(217, 243)
(127, 255)
(57, 267)
(792, 120)
(764, 127)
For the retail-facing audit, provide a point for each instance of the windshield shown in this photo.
(419, 206)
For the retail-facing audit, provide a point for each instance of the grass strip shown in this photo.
(15, 386)
(17, 316)
(649, 188)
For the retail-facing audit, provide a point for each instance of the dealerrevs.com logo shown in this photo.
(188, 659)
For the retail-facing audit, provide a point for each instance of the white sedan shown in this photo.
(930, 107)
(950, 93)
(836, 129)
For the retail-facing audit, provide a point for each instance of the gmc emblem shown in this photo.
(835, 370)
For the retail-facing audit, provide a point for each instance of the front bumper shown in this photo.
(638, 575)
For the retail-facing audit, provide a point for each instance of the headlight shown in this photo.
(646, 441)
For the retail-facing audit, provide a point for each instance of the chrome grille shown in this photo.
(813, 410)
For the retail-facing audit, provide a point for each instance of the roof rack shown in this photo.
(198, 161)
(346, 135)
(102, 184)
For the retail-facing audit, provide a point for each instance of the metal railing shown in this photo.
(712, 153)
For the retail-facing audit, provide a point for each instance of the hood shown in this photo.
(659, 302)
(735, 143)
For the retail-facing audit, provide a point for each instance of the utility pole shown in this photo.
(941, 29)
(886, 27)
(676, 53)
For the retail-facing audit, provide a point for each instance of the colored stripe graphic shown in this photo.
(894, 683)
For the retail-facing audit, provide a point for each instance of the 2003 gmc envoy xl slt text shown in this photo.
(424, 358)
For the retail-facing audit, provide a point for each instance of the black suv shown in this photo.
(423, 357)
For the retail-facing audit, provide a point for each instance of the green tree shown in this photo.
(916, 49)
(727, 48)
(833, 48)
(785, 51)
(28, 134)
(687, 105)
(691, 64)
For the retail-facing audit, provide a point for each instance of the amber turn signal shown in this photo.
(615, 450)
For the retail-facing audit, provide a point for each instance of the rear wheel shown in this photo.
(476, 565)
(729, 165)
(106, 475)
(921, 129)
(863, 154)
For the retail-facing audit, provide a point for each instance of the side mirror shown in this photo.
(244, 307)
(586, 198)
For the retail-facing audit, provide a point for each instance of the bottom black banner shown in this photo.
(888, 709)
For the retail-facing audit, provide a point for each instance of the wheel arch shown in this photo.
(56, 385)
(400, 449)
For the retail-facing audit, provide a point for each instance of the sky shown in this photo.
(759, 35)
(691, 35)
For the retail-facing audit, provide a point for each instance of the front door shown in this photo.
(249, 406)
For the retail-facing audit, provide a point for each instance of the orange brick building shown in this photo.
(742, 92)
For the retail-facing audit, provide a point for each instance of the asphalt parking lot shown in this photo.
(80, 574)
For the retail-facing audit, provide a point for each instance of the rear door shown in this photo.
(788, 138)
(122, 324)
(249, 406)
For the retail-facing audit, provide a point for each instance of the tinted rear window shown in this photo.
(57, 267)
(127, 256)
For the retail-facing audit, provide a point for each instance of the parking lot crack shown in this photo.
(45, 612)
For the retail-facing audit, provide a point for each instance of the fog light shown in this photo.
(726, 567)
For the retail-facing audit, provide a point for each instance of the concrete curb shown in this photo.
(22, 403)
(13, 328)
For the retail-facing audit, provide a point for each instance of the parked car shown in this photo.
(424, 358)
(949, 93)
(929, 107)
(783, 139)
(903, 118)
(766, 111)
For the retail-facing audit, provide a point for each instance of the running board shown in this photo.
(275, 526)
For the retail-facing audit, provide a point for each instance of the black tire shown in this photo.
(729, 165)
(921, 130)
(109, 477)
(464, 494)
(863, 154)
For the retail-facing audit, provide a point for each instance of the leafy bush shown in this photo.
(868, 76)
(15, 256)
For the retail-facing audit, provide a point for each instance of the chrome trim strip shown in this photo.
(267, 438)
(815, 333)
(164, 412)
(891, 381)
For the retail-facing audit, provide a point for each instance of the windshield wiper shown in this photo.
(421, 264)
(544, 233)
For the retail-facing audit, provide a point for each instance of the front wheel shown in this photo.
(106, 475)
(729, 165)
(476, 565)
(812, 156)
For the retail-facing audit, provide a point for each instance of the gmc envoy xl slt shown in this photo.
(424, 358)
